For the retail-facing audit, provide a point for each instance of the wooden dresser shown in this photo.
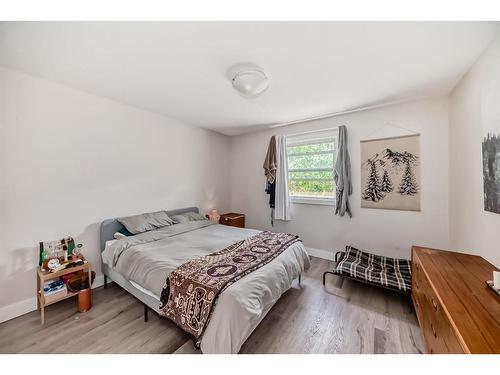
(457, 312)
(233, 219)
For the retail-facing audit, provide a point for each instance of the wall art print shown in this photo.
(390, 173)
(490, 117)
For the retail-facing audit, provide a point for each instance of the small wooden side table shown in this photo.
(233, 219)
(43, 276)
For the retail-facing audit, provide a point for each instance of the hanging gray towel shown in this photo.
(342, 175)
(270, 165)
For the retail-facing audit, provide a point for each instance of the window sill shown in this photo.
(310, 200)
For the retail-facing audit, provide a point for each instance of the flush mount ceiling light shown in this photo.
(248, 79)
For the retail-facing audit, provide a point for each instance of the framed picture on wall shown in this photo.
(490, 116)
(491, 171)
(390, 173)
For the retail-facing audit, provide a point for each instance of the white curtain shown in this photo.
(282, 201)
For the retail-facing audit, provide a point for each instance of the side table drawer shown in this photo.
(238, 222)
(233, 220)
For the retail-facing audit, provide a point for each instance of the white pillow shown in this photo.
(119, 235)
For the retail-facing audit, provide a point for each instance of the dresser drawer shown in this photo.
(418, 286)
(433, 335)
(435, 326)
(440, 336)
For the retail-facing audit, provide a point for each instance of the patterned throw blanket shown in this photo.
(190, 293)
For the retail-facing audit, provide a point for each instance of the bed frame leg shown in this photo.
(146, 310)
(337, 254)
(105, 281)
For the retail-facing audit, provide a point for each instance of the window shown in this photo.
(311, 158)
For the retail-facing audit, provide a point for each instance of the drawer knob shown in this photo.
(434, 304)
(433, 330)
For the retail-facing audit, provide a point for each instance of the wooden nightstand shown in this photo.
(233, 220)
(42, 276)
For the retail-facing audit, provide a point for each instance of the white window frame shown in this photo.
(308, 138)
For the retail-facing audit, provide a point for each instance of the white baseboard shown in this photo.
(98, 281)
(17, 309)
(29, 304)
(319, 253)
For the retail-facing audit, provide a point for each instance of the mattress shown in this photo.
(145, 291)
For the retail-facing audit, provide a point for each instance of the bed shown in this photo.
(148, 259)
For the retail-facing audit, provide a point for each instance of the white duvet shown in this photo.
(148, 258)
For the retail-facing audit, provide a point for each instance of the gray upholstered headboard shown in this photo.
(110, 226)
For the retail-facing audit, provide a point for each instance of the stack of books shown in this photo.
(54, 289)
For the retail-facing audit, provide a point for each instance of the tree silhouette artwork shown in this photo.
(386, 185)
(399, 162)
(408, 184)
(373, 189)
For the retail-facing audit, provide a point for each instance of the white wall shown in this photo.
(70, 160)
(382, 231)
(472, 229)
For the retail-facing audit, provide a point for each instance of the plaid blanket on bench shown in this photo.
(389, 272)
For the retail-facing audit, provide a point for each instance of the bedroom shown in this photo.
(148, 147)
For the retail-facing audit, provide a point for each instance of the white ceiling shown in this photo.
(179, 68)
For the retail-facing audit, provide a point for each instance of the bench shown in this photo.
(381, 271)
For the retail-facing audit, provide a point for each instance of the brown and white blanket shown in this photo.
(190, 293)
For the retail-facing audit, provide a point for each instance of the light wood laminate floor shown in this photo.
(343, 317)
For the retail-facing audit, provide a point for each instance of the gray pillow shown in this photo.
(146, 222)
(187, 217)
(180, 219)
(194, 216)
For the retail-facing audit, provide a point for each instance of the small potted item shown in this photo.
(84, 300)
(80, 283)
